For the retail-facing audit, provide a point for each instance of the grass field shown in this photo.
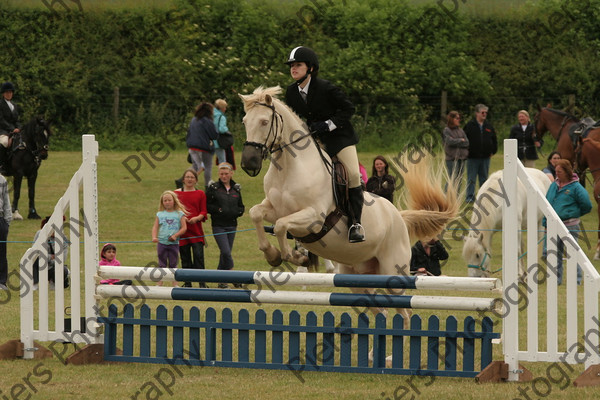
(126, 212)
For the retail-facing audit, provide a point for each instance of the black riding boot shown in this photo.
(355, 231)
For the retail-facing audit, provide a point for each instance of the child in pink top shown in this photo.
(108, 256)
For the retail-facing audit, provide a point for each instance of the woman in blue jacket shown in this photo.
(571, 201)
(199, 140)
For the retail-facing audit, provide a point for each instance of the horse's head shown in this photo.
(39, 135)
(264, 126)
(539, 122)
(476, 255)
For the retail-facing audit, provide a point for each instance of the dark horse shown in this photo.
(27, 154)
(559, 124)
(588, 156)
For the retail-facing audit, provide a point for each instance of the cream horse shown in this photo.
(487, 218)
(299, 198)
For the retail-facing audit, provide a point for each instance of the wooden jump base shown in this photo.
(298, 344)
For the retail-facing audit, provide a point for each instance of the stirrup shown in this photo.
(360, 233)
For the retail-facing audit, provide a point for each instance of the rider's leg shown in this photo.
(349, 158)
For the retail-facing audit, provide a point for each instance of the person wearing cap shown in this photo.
(327, 112)
(9, 121)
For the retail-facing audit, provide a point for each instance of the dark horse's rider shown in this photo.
(9, 122)
(327, 112)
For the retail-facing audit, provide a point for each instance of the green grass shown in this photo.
(126, 211)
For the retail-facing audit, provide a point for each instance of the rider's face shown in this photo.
(8, 95)
(298, 70)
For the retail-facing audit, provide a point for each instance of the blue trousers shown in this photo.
(224, 236)
(476, 167)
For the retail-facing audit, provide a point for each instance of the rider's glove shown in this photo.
(319, 127)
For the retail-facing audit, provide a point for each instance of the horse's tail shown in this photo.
(429, 207)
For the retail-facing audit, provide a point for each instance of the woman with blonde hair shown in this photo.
(526, 144)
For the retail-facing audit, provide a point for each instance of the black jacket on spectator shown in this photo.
(482, 142)
(430, 262)
(224, 206)
(525, 144)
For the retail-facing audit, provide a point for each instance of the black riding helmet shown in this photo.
(307, 56)
(6, 86)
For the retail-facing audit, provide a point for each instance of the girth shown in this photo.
(330, 221)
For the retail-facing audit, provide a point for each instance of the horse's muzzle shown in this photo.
(252, 158)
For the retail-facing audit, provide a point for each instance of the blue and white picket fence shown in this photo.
(298, 343)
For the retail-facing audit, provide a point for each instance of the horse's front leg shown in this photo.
(259, 213)
(303, 220)
(17, 180)
(31, 191)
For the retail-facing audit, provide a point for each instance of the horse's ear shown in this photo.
(539, 108)
(269, 99)
(480, 238)
(464, 238)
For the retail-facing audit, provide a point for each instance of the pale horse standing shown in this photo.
(486, 219)
(299, 197)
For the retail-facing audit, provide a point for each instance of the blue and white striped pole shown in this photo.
(296, 297)
(280, 278)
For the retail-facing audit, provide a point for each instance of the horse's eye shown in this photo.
(264, 122)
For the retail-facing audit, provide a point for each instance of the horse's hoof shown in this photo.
(17, 216)
(33, 216)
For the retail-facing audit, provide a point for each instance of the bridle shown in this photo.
(39, 145)
(276, 129)
(480, 266)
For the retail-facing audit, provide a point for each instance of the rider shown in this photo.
(327, 112)
(9, 121)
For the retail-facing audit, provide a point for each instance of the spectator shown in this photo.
(225, 205)
(482, 146)
(381, 182)
(192, 242)
(221, 124)
(456, 147)
(54, 246)
(327, 111)
(168, 227)
(523, 132)
(5, 219)
(108, 256)
(9, 122)
(199, 140)
(570, 200)
(426, 256)
(549, 170)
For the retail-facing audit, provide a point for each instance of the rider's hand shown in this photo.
(319, 127)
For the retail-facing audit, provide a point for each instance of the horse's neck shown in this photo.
(485, 224)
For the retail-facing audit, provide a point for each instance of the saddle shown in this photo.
(339, 181)
(582, 129)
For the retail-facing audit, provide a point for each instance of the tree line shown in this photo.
(393, 58)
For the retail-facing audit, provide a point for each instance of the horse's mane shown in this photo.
(259, 96)
(561, 113)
